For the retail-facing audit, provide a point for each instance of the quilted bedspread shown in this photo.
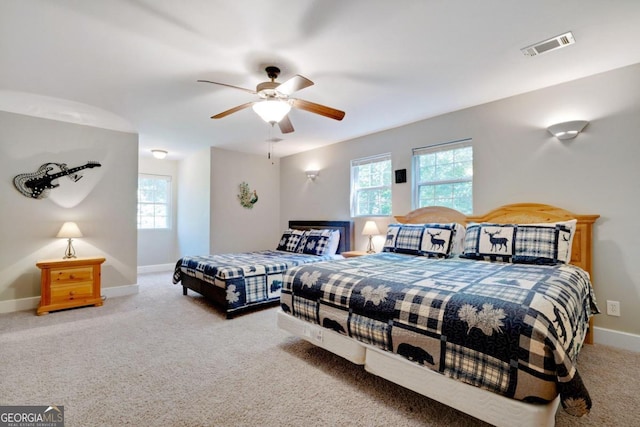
(248, 278)
(513, 329)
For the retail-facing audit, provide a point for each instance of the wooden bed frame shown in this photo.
(218, 295)
(484, 405)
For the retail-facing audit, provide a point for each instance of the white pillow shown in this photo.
(334, 242)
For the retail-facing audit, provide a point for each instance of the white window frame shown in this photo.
(432, 149)
(355, 164)
(154, 203)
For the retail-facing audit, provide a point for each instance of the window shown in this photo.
(371, 186)
(443, 176)
(154, 201)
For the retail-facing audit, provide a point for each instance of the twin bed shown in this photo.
(491, 324)
(242, 281)
(494, 333)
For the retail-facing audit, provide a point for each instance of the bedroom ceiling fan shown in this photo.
(275, 103)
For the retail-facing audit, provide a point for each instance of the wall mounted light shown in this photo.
(312, 174)
(370, 229)
(69, 230)
(567, 130)
(159, 154)
(272, 110)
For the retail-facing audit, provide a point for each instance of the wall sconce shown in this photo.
(370, 229)
(312, 175)
(69, 231)
(159, 154)
(567, 130)
(272, 110)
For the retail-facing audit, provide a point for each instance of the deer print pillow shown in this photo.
(490, 242)
(520, 243)
(430, 240)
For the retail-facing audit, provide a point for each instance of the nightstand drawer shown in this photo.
(71, 275)
(72, 291)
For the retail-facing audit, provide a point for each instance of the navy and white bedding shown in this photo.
(248, 278)
(513, 329)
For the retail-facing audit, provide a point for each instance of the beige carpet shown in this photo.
(162, 359)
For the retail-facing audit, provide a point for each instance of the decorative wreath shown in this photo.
(247, 197)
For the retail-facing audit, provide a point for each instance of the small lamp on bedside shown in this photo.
(370, 229)
(69, 231)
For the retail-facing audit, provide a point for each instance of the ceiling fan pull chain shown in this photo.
(270, 139)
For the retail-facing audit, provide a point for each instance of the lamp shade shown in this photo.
(370, 229)
(567, 130)
(69, 230)
(272, 110)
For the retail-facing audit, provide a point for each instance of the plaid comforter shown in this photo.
(249, 278)
(514, 329)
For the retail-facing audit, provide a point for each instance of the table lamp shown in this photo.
(69, 230)
(370, 229)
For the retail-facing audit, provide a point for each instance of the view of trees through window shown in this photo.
(444, 177)
(371, 186)
(154, 198)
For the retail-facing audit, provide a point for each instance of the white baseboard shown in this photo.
(623, 340)
(158, 268)
(21, 304)
(31, 303)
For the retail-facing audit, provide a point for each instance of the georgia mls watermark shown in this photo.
(31, 416)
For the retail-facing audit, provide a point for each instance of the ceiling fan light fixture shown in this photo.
(272, 110)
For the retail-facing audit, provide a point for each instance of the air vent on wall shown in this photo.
(553, 43)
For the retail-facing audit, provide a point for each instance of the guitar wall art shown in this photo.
(36, 185)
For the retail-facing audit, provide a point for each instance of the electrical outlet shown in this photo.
(613, 308)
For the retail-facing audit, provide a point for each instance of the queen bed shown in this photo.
(240, 281)
(491, 326)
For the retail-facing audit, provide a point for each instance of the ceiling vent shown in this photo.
(553, 43)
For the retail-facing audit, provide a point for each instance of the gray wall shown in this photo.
(194, 206)
(517, 160)
(102, 203)
(158, 247)
(233, 227)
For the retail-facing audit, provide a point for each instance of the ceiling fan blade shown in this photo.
(294, 84)
(285, 125)
(231, 86)
(312, 107)
(232, 110)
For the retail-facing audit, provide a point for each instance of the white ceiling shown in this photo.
(385, 63)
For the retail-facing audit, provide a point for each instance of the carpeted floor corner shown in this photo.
(159, 358)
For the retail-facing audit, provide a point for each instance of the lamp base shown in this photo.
(370, 248)
(70, 252)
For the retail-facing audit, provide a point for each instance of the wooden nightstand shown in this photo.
(67, 283)
(353, 254)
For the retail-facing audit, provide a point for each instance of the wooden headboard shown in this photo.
(345, 228)
(522, 213)
(433, 214)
